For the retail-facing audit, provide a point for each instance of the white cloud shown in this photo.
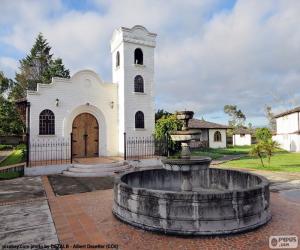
(205, 57)
(9, 66)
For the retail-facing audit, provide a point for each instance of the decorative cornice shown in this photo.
(139, 41)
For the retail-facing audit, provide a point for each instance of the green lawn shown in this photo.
(17, 156)
(280, 162)
(216, 153)
(5, 147)
(10, 175)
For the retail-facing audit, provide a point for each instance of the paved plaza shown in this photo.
(86, 218)
(25, 215)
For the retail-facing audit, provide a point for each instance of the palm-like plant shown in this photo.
(258, 151)
(270, 147)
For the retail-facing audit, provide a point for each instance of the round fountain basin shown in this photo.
(190, 164)
(221, 202)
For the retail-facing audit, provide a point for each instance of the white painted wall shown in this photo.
(86, 92)
(84, 87)
(287, 132)
(287, 123)
(289, 142)
(212, 143)
(126, 41)
(240, 140)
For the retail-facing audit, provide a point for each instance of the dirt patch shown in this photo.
(64, 185)
(21, 189)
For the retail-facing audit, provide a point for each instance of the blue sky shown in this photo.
(209, 53)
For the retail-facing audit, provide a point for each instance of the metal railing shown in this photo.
(136, 148)
(50, 151)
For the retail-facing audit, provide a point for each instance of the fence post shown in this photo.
(71, 144)
(28, 133)
(125, 151)
(27, 149)
(167, 145)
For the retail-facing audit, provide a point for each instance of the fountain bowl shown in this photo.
(189, 164)
(221, 202)
(185, 135)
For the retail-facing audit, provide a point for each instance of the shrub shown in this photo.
(263, 134)
(164, 126)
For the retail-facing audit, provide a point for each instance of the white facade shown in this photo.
(125, 41)
(114, 105)
(241, 140)
(287, 131)
(287, 124)
(217, 144)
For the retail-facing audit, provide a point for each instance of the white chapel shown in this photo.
(98, 113)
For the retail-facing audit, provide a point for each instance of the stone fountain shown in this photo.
(185, 163)
(186, 197)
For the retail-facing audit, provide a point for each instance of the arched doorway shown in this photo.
(85, 131)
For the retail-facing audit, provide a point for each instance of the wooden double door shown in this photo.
(85, 131)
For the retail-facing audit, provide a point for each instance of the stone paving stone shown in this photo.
(43, 234)
(25, 217)
(20, 216)
(29, 223)
(96, 224)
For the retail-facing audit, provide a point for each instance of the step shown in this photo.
(74, 174)
(99, 169)
(102, 165)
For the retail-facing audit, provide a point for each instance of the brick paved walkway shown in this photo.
(87, 218)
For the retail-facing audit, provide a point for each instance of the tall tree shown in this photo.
(236, 117)
(161, 113)
(37, 67)
(10, 121)
(270, 117)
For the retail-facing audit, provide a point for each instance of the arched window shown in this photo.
(217, 136)
(139, 120)
(118, 59)
(139, 84)
(138, 56)
(47, 122)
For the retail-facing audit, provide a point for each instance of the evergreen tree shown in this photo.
(161, 113)
(38, 67)
(10, 121)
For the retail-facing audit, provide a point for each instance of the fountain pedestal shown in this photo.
(186, 183)
(185, 151)
(185, 163)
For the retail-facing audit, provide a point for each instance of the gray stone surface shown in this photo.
(18, 189)
(221, 201)
(291, 195)
(26, 221)
(46, 170)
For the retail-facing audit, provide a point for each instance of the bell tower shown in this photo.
(133, 70)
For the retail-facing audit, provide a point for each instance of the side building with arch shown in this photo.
(213, 135)
(98, 113)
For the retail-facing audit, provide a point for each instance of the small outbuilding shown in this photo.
(242, 137)
(213, 135)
